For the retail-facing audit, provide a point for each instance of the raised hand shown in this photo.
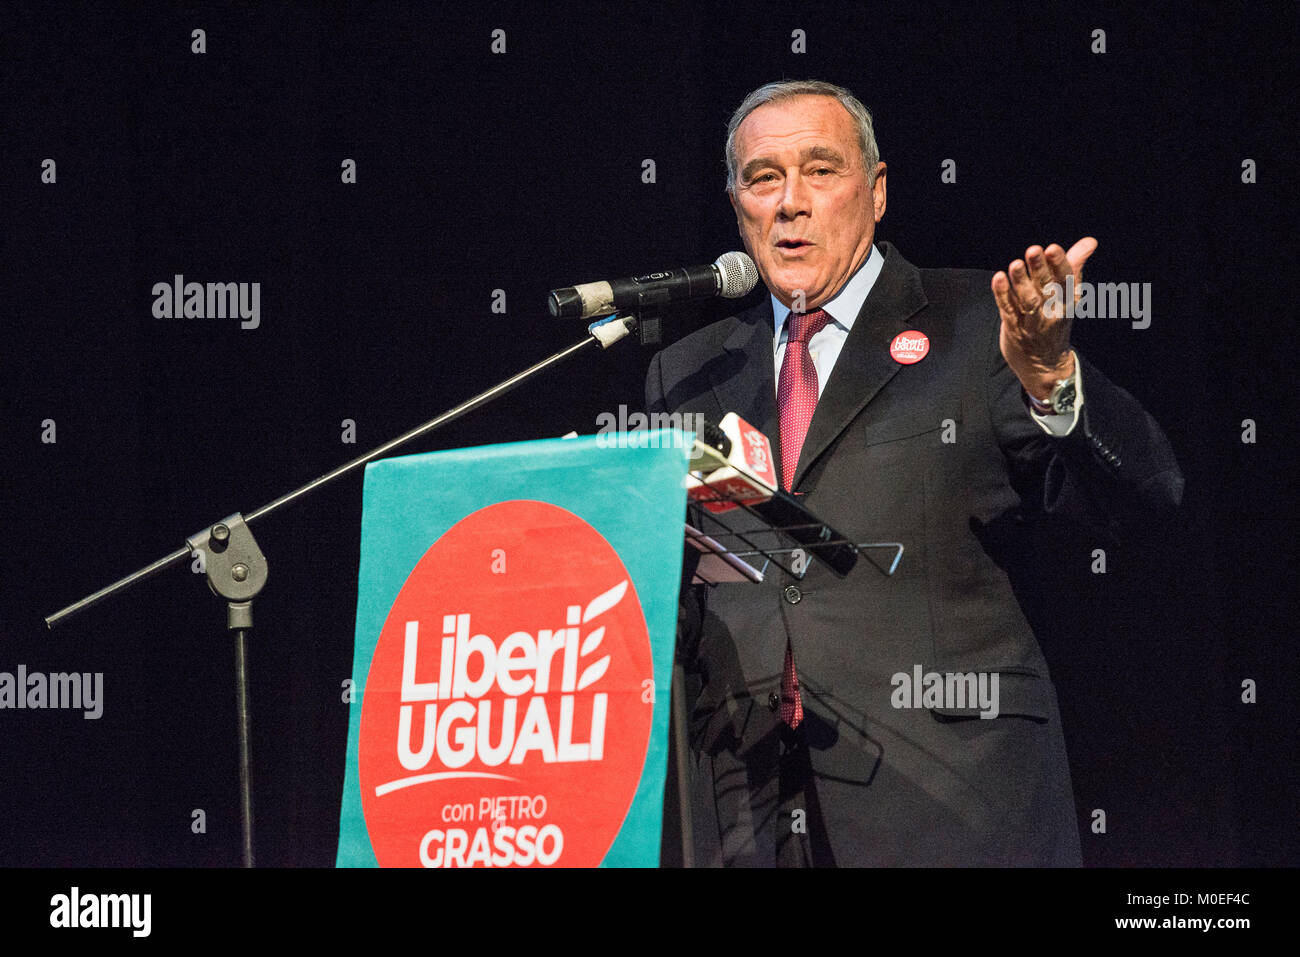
(1035, 335)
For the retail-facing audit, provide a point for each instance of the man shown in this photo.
(808, 748)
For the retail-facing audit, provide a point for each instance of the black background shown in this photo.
(479, 171)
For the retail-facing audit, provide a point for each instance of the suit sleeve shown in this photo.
(1115, 472)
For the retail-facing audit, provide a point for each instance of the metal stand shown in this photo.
(796, 532)
(799, 537)
(236, 568)
(682, 752)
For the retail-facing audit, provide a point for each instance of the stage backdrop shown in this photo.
(380, 196)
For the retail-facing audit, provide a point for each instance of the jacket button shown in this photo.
(774, 702)
(793, 595)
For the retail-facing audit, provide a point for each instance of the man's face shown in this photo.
(803, 203)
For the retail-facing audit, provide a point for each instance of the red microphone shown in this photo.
(736, 469)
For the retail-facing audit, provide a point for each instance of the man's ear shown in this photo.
(735, 206)
(878, 191)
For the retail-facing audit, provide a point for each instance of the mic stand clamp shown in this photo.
(236, 570)
(649, 314)
(650, 325)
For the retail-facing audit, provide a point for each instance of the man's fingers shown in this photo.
(1025, 293)
(1038, 268)
(1002, 296)
(1078, 255)
(1058, 264)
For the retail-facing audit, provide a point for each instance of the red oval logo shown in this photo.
(506, 714)
(909, 347)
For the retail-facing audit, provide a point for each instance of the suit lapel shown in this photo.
(746, 382)
(864, 364)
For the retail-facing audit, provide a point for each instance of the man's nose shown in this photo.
(795, 196)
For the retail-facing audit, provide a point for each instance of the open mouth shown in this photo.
(793, 244)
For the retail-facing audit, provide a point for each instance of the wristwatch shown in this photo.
(1061, 400)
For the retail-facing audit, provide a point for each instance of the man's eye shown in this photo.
(823, 171)
(764, 178)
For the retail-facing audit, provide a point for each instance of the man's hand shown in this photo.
(1035, 336)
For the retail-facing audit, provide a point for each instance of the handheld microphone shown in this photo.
(733, 275)
(738, 468)
(730, 464)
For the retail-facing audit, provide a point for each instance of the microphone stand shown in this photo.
(236, 569)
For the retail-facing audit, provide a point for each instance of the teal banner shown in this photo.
(516, 615)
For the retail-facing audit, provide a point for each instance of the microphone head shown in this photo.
(713, 436)
(738, 275)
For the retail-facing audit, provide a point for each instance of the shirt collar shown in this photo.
(845, 305)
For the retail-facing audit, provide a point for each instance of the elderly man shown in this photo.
(943, 409)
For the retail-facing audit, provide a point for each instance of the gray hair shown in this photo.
(784, 90)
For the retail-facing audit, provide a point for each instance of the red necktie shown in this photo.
(796, 397)
(796, 392)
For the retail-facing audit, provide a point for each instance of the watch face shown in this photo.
(1063, 397)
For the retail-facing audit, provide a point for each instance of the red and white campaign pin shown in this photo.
(909, 347)
(506, 713)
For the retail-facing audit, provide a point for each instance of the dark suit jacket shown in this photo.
(896, 785)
